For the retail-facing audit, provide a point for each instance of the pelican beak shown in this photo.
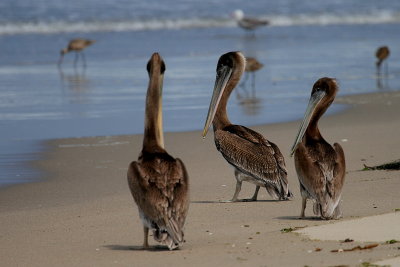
(223, 75)
(315, 98)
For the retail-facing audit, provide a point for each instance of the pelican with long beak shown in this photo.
(320, 167)
(159, 182)
(253, 157)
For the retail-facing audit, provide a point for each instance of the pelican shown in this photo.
(247, 23)
(254, 158)
(159, 182)
(76, 45)
(382, 53)
(319, 166)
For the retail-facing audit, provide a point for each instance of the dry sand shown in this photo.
(378, 228)
(82, 213)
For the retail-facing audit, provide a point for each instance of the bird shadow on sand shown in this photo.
(298, 218)
(229, 202)
(155, 248)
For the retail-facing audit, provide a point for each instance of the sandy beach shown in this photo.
(82, 213)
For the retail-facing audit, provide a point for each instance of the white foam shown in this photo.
(377, 17)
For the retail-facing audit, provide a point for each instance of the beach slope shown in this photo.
(82, 213)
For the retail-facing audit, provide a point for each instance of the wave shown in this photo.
(379, 17)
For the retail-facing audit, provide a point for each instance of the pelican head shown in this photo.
(237, 14)
(230, 68)
(322, 95)
(153, 120)
(155, 66)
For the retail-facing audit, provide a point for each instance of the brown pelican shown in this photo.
(76, 45)
(248, 23)
(253, 157)
(382, 53)
(319, 166)
(159, 182)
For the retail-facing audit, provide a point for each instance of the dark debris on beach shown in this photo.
(395, 165)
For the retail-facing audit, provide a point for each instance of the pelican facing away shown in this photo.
(319, 166)
(76, 45)
(253, 157)
(159, 182)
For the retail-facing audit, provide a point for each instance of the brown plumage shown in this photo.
(320, 167)
(76, 45)
(159, 182)
(253, 157)
(381, 54)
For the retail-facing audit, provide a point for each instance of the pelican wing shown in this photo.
(254, 155)
(159, 186)
(339, 170)
(321, 171)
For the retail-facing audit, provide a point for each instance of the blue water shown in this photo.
(305, 41)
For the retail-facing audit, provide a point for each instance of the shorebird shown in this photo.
(159, 182)
(254, 158)
(252, 65)
(382, 53)
(76, 45)
(320, 167)
(248, 23)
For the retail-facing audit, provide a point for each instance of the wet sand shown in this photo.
(82, 213)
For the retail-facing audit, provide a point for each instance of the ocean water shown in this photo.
(306, 40)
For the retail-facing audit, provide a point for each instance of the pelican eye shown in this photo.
(162, 67)
(148, 67)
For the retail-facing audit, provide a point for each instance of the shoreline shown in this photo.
(82, 211)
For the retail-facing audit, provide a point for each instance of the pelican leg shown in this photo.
(145, 240)
(237, 190)
(254, 197)
(303, 206)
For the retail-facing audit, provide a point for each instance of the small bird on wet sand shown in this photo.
(320, 167)
(76, 45)
(382, 53)
(253, 157)
(246, 22)
(252, 65)
(159, 182)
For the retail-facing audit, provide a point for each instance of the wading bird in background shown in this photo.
(248, 23)
(252, 66)
(76, 45)
(254, 158)
(382, 53)
(320, 167)
(159, 182)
